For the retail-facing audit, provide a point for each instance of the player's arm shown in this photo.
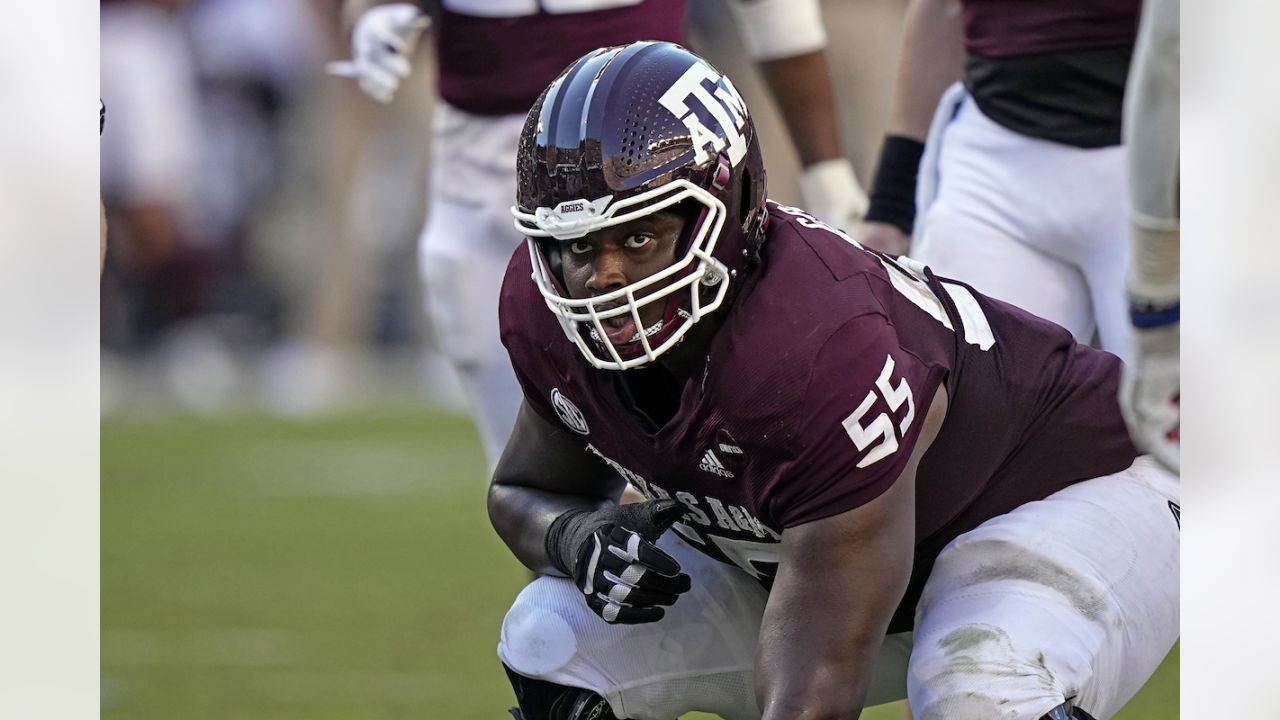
(931, 58)
(102, 208)
(552, 502)
(839, 580)
(544, 472)
(1151, 390)
(787, 40)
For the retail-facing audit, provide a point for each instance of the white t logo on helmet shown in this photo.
(724, 104)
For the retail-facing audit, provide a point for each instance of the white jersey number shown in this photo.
(521, 8)
(878, 434)
(759, 560)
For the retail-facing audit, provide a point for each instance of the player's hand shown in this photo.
(1150, 395)
(611, 556)
(831, 192)
(883, 237)
(381, 44)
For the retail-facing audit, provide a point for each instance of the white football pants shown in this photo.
(1074, 596)
(463, 253)
(1038, 224)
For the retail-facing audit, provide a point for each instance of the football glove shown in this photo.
(611, 557)
(831, 192)
(381, 44)
(1150, 395)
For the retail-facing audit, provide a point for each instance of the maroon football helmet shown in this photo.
(628, 131)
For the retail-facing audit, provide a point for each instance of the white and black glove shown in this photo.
(611, 557)
(381, 44)
(832, 193)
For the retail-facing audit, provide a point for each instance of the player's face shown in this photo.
(614, 257)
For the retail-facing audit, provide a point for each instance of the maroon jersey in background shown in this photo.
(814, 392)
(1051, 69)
(496, 57)
(1004, 28)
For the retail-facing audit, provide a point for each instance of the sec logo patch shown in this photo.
(569, 413)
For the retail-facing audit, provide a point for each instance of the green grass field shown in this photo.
(255, 569)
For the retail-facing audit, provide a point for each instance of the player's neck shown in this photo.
(655, 391)
(690, 356)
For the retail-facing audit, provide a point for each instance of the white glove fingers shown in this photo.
(630, 547)
(397, 66)
(379, 83)
(589, 579)
(390, 42)
(637, 597)
(613, 612)
(831, 192)
(342, 68)
(377, 91)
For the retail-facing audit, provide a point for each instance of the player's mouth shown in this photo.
(621, 329)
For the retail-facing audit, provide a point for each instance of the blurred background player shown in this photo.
(102, 209)
(493, 60)
(175, 183)
(147, 170)
(1151, 393)
(1021, 171)
(222, 212)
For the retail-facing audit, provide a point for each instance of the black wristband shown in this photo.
(554, 543)
(893, 193)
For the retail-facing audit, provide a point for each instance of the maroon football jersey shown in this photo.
(814, 392)
(1006, 28)
(495, 57)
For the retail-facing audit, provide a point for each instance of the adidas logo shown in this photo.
(710, 463)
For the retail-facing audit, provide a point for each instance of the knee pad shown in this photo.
(1066, 711)
(541, 700)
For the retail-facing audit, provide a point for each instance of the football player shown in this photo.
(865, 481)
(102, 208)
(1021, 173)
(494, 58)
(1152, 392)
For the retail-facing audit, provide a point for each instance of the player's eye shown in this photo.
(635, 242)
(579, 247)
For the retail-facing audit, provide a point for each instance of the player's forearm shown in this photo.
(801, 87)
(790, 686)
(818, 641)
(102, 235)
(523, 515)
(1151, 134)
(931, 59)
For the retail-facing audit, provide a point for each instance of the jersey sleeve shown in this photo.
(520, 319)
(536, 399)
(858, 425)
